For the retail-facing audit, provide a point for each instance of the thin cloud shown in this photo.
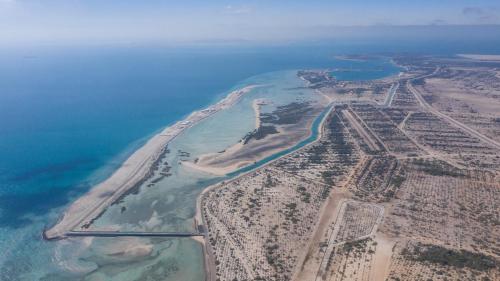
(474, 11)
(481, 15)
(237, 10)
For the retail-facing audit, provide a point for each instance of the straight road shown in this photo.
(462, 126)
(131, 234)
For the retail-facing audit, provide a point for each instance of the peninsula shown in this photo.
(133, 171)
(399, 182)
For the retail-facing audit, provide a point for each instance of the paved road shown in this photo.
(367, 135)
(392, 93)
(464, 127)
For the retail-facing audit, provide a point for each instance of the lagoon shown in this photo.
(70, 117)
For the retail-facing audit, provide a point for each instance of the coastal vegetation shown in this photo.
(287, 195)
(449, 257)
(391, 189)
(260, 133)
(287, 114)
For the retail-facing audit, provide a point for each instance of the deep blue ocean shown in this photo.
(69, 116)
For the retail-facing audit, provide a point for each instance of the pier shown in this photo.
(111, 233)
(130, 234)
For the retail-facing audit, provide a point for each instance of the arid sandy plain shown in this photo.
(402, 181)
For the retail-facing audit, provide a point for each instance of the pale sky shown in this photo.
(29, 21)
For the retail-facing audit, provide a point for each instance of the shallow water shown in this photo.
(68, 119)
(313, 137)
(169, 205)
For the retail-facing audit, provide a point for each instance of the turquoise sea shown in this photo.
(70, 116)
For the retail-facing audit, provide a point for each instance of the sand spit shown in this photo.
(480, 57)
(256, 105)
(234, 223)
(219, 171)
(88, 207)
(226, 169)
(244, 153)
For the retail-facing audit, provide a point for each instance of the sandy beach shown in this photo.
(85, 209)
(480, 57)
(242, 154)
(220, 171)
(256, 104)
(198, 215)
(199, 218)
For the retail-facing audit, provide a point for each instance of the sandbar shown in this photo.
(88, 207)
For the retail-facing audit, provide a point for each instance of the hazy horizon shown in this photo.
(31, 22)
(228, 140)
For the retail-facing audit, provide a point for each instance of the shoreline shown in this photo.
(203, 165)
(222, 171)
(228, 169)
(256, 105)
(199, 219)
(480, 57)
(132, 171)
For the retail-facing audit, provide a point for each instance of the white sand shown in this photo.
(382, 258)
(132, 171)
(480, 57)
(203, 163)
(256, 104)
(218, 171)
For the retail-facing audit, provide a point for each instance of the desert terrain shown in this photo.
(403, 183)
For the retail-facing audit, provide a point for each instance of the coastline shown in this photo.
(199, 218)
(493, 58)
(89, 206)
(256, 104)
(221, 171)
(232, 159)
